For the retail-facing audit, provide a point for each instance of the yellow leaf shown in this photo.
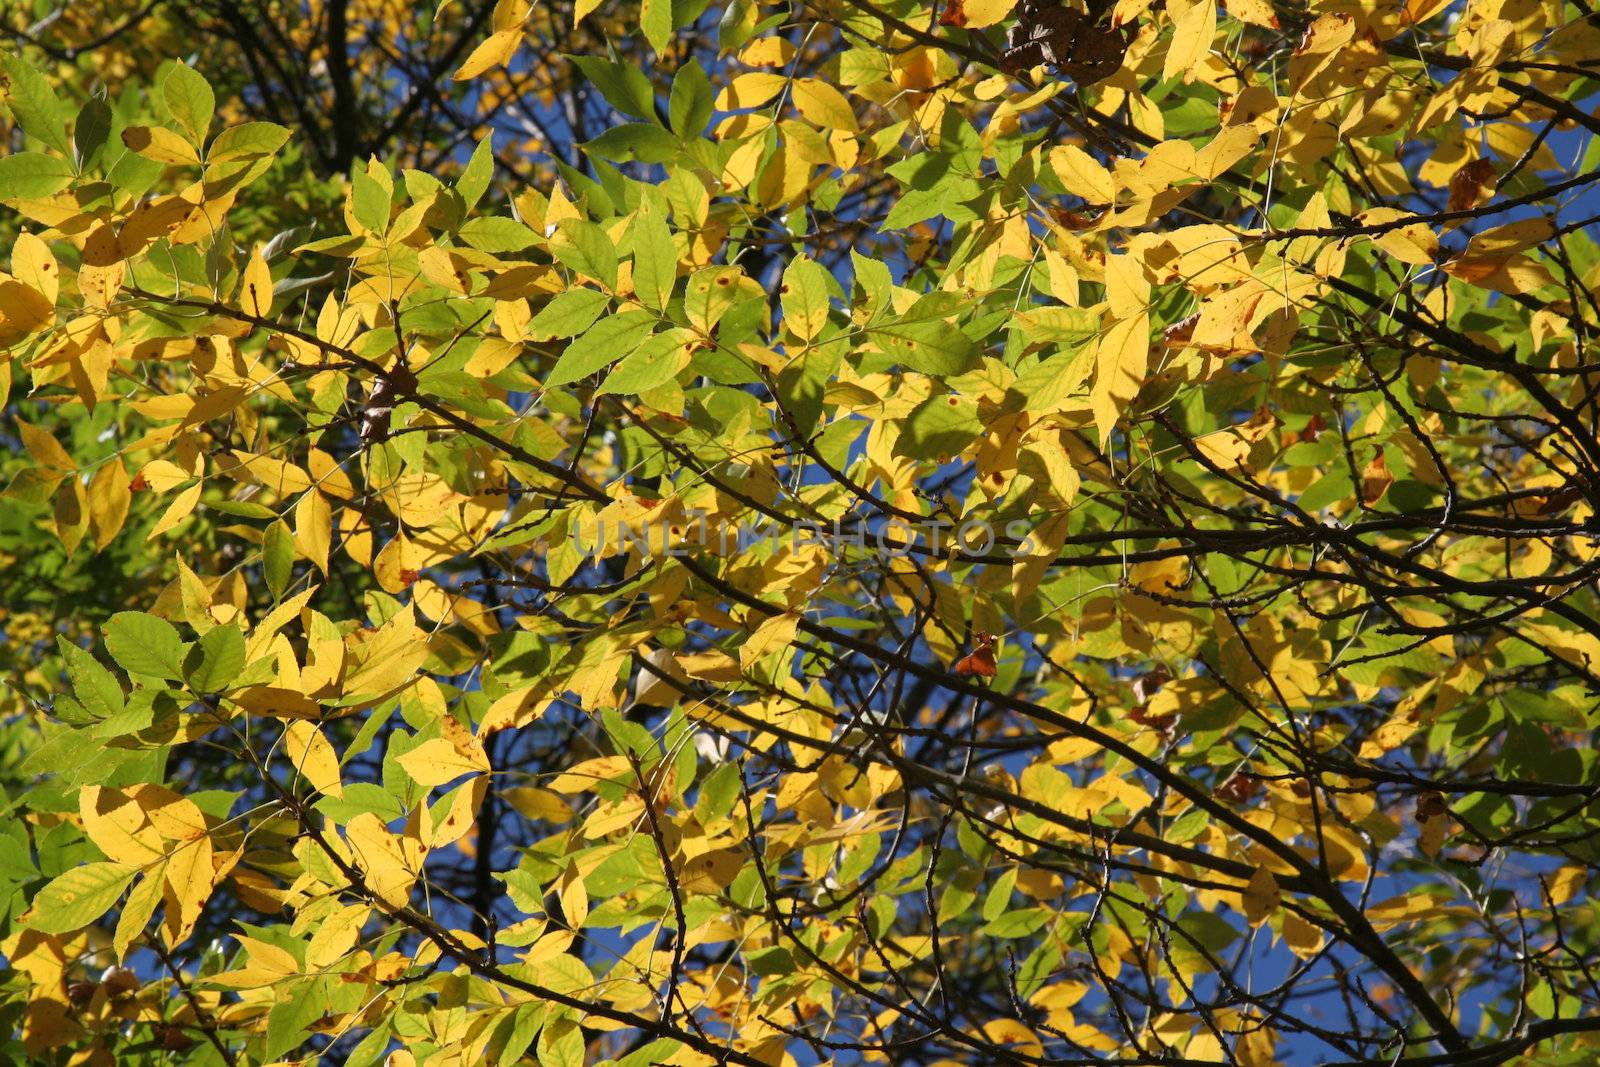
(23, 309)
(771, 636)
(110, 494)
(532, 802)
(587, 774)
(1193, 27)
(1255, 12)
(1122, 357)
(767, 52)
(159, 144)
(191, 876)
(1015, 1035)
(1261, 896)
(313, 528)
(175, 817)
(750, 90)
(280, 476)
(118, 827)
(255, 288)
(35, 266)
(711, 872)
(389, 864)
(178, 510)
(980, 13)
(437, 761)
(495, 51)
(388, 658)
(160, 475)
(1226, 149)
(574, 897)
(1162, 576)
(824, 105)
(136, 912)
(1303, 939)
(313, 757)
(45, 449)
(1415, 243)
(1083, 175)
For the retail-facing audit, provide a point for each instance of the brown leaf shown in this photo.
(1067, 40)
(1471, 185)
(980, 662)
(1180, 333)
(1238, 788)
(954, 14)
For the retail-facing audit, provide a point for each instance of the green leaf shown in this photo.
(653, 363)
(939, 428)
(569, 314)
(931, 346)
(28, 175)
(143, 644)
(771, 962)
(625, 87)
(220, 659)
(584, 247)
(804, 296)
(370, 201)
(250, 140)
(290, 1019)
(1020, 923)
(493, 234)
(474, 180)
(523, 1027)
(655, 258)
(604, 342)
(642, 142)
(96, 688)
(561, 1044)
(89, 133)
(79, 897)
(35, 106)
(189, 97)
(689, 106)
(655, 20)
(1207, 934)
(660, 1050)
(277, 557)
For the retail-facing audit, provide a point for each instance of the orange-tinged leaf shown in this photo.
(1376, 479)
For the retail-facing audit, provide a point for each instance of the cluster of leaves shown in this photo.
(1174, 431)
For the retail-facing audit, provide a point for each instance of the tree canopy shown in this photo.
(854, 531)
